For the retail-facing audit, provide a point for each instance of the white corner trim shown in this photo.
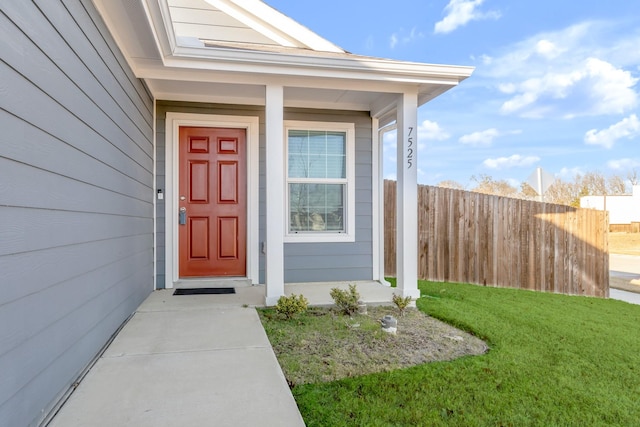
(377, 215)
(172, 125)
(155, 196)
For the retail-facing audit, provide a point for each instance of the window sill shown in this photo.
(319, 238)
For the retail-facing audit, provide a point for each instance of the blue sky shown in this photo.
(556, 85)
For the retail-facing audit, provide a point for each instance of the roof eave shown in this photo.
(310, 65)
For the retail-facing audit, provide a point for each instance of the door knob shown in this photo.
(182, 216)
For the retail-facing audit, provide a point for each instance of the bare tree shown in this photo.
(527, 192)
(616, 185)
(564, 193)
(450, 184)
(487, 185)
(593, 184)
(561, 192)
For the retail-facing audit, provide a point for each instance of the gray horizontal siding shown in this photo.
(321, 262)
(76, 198)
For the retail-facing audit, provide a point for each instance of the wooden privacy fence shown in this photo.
(634, 227)
(498, 241)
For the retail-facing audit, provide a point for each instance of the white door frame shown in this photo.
(173, 123)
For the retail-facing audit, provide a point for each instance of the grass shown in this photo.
(554, 361)
(624, 243)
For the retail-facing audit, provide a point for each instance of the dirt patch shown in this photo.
(324, 345)
(624, 243)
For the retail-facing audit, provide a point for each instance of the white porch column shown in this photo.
(407, 196)
(275, 214)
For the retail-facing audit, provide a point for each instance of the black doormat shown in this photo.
(204, 291)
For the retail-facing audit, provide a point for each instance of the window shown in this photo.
(319, 170)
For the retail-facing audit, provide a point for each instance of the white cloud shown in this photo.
(484, 138)
(429, 130)
(402, 37)
(390, 140)
(461, 12)
(547, 49)
(369, 43)
(511, 161)
(612, 87)
(508, 88)
(393, 40)
(578, 71)
(623, 164)
(609, 88)
(626, 128)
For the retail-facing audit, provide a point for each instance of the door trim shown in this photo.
(172, 125)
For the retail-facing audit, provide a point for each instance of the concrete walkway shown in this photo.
(624, 278)
(192, 361)
(185, 361)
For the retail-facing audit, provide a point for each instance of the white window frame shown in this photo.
(349, 235)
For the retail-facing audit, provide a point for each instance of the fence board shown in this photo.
(497, 241)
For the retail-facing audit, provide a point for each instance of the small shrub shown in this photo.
(401, 303)
(346, 301)
(290, 306)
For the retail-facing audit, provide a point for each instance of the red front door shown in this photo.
(212, 202)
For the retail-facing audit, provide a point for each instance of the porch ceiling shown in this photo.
(251, 94)
(227, 51)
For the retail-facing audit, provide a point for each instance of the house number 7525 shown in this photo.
(410, 148)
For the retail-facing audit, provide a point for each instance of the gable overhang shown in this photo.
(314, 72)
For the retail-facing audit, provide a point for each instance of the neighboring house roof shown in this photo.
(227, 50)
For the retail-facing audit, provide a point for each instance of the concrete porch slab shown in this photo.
(212, 283)
(164, 300)
(372, 293)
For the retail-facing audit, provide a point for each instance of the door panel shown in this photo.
(199, 182)
(228, 182)
(228, 230)
(199, 247)
(212, 189)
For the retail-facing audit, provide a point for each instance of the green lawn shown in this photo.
(554, 361)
